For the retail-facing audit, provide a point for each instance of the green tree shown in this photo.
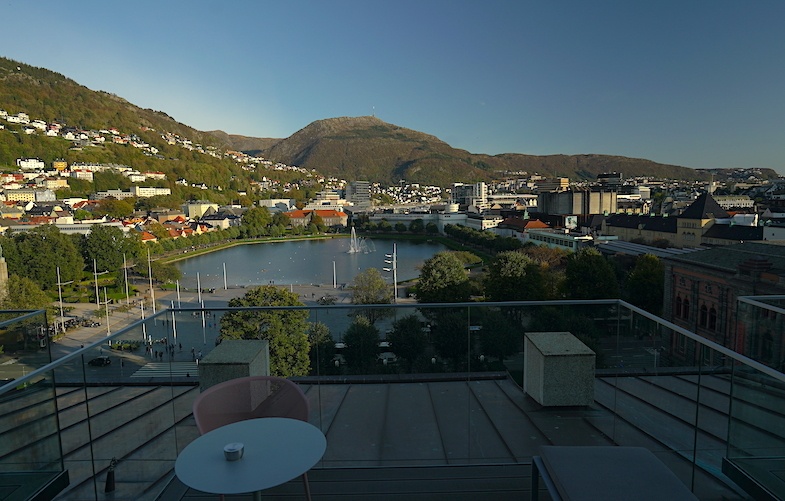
(107, 245)
(318, 222)
(255, 222)
(408, 339)
(159, 230)
(113, 208)
(513, 276)
(443, 279)
(417, 226)
(646, 283)
(450, 335)
(589, 276)
(384, 226)
(369, 287)
(400, 227)
(322, 348)
(286, 330)
(38, 253)
(431, 228)
(362, 345)
(81, 214)
(27, 295)
(280, 219)
(499, 337)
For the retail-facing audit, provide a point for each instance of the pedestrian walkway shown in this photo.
(167, 370)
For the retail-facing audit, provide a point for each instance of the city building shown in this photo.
(578, 201)
(703, 222)
(359, 194)
(195, 209)
(559, 239)
(147, 191)
(469, 195)
(702, 291)
(552, 185)
(30, 164)
(30, 195)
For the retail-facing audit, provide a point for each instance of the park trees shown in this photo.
(107, 245)
(362, 345)
(36, 254)
(443, 279)
(369, 287)
(114, 208)
(513, 276)
(417, 226)
(322, 347)
(286, 330)
(450, 335)
(646, 283)
(280, 219)
(589, 276)
(26, 295)
(499, 337)
(408, 339)
(318, 223)
(255, 222)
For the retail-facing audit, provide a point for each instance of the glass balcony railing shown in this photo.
(407, 385)
(31, 458)
(756, 442)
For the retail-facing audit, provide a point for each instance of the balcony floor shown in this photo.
(433, 483)
(439, 437)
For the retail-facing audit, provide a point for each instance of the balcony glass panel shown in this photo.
(30, 452)
(756, 444)
(414, 385)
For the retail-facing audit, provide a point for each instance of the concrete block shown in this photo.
(234, 358)
(558, 369)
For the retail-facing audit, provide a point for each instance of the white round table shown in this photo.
(276, 450)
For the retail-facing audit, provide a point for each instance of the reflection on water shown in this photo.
(300, 262)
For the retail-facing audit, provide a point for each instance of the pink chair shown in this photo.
(249, 398)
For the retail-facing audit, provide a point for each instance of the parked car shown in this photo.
(100, 361)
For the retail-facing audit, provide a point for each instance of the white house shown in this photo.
(87, 175)
(147, 191)
(30, 163)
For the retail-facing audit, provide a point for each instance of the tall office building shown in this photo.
(359, 193)
(474, 195)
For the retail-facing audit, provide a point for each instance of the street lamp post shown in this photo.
(392, 260)
(150, 274)
(125, 273)
(106, 305)
(60, 294)
(95, 274)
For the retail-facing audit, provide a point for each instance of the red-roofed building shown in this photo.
(148, 237)
(332, 217)
(518, 228)
(299, 217)
(329, 217)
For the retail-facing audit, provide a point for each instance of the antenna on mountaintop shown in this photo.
(373, 111)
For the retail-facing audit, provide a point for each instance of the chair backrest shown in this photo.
(249, 398)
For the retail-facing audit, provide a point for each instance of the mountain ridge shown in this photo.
(352, 148)
(369, 148)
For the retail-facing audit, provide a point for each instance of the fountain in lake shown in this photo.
(359, 244)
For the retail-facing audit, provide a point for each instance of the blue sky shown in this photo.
(685, 82)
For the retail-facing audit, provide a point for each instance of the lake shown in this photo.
(303, 262)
